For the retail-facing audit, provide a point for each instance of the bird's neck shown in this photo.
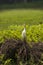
(24, 28)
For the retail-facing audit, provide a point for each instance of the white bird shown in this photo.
(24, 32)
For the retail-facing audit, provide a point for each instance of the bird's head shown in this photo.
(24, 25)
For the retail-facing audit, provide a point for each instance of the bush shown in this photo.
(16, 50)
(21, 53)
(34, 33)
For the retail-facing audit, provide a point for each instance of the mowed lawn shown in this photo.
(20, 16)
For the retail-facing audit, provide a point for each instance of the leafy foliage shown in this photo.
(34, 33)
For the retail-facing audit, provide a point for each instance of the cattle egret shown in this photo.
(24, 32)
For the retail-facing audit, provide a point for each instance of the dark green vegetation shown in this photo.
(30, 5)
(18, 1)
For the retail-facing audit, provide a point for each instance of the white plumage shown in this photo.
(24, 33)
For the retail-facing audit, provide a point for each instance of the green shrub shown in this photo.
(34, 33)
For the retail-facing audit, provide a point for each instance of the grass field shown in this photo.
(20, 16)
(28, 13)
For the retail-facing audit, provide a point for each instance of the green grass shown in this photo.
(19, 13)
(20, 16)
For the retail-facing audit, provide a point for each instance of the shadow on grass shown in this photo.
(33, 5)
